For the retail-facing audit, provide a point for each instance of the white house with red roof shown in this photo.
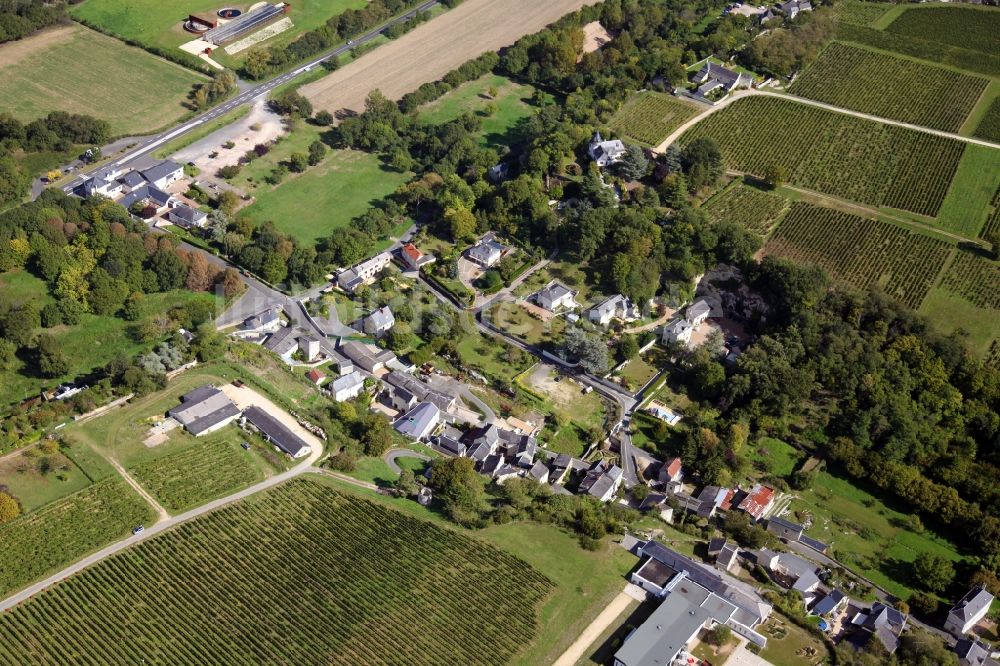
(671, 472)
(758, 502)
(414, 258)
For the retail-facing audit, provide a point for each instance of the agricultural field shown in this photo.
(92, 343)
(78, 70)
(235, 581)
(885, 85)
(860, 251)
(834, 153)
(989, 125)
(753, 208)
(860, 13)
(511, 105)
(36, 543)
(966, 27)
(341, 187)
(974, 279)
(993, 219)
(158, 25)
(648, 118)
(209, 467)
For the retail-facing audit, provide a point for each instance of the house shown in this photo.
(791, 8)
(784, 529)
(758, 502)
(831, 604)
(378, 322)
(498, 173)
(738, 605)
(714, 77)
(103, 184)
(815, 544)
(602, 481)
(267, 321)
(276, 432)
(678, 330)
(491, 464)
(657, 502)
(555, 296)
(204, 410)
(671, 472)
(612, 307)
(157, 198)
(560, 465)
(309, 346)
(711, 498)
(414, 258)
(419, 422)
(882, 623)
(163, 174)
(973, 653)
(715, 546)
(505, 472)
(363, 273)
(538, 472)
(792, 571)
(451, 446)
(367, 357)
(283, 343)
(486, 252)
(423, 392)
(316, 376)
(664, 637)
(605, 153)
(347, 387)
(401, 400)
(132, 180)
(728, 557)
(187, 217)
(697, 313)
(969, 610)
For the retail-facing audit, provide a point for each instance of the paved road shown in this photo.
(161, 526)
(391, 457)
(811, 102)
(145, 145)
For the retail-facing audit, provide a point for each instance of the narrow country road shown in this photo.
(676, 134)
(161, 526)
(161, 513)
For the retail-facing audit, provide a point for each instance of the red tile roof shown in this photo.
(757, 501)
(315, 375)
(673, 467)
(410, 250)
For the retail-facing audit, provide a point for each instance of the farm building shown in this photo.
(204, 410)
(758, 501)
(367, 357)
(316, 376)
(276, 432)
(713, 77)
(784, 529)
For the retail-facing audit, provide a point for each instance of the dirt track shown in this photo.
(435, 48)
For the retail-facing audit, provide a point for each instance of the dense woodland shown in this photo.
(20, 18)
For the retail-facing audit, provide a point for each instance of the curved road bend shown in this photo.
(149, 143)
(676, 134)
(161, 526)
(392, 456)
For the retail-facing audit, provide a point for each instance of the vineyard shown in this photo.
(993, 355)
(860, 251)
(975, 279)
(834, 153)
(61, 532)
(890, 87)
(754, 209)
(989, 127)
(956, 56)
(187, 478)
(298, 575)
(968, 28)
(861, 13)
(650, 117)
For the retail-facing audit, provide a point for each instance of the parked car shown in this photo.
(246, 446)
(137, 529)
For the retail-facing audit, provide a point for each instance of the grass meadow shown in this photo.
(78, 70)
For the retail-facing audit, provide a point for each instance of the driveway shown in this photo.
(741, 656)
(452, 386)
(391, 457)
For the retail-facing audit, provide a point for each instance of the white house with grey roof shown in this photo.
(163, 174)
(613, 307)
(486, 252)
(605, 153)
(602, 481)
(187, 217)
(968, 612)
(556, 295)
(347, 387)
(713, 77)
(266, 321)
(419, 423)
(364, 273)
(791, 8)
(378, 322)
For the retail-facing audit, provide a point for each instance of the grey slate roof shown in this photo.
(348, 381)
(132, 179)
(202, 408)
(974, 601)
(380, 319)
(451, 445)
(276, 432)
(660, 638)
(281, 341)
(973, 653)
(417, 422)
(188, 214)
(828, 603)
(697, 309)
(786, 524)
(160, 170)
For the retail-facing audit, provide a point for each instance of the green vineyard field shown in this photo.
(63, 531)
(989, 126)
(965, 27)
(754, 209)
(975, 279)
(650, 117)
(890, 87)
(860, 13)
(860, 251)
(211, 468)
(298, 575)
(834, 153)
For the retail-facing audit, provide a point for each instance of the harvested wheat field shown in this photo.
(435, 48)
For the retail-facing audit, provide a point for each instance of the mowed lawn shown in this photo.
(967, 203)
(160, 24)
(78, 70)
(326, 197)
(511, 104)
(88, 345)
